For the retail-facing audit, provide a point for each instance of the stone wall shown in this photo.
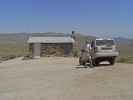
(62, 49)
(53, 49)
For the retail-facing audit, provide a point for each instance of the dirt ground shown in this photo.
(63, 79)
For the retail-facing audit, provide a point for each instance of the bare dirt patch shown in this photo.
(61, 78)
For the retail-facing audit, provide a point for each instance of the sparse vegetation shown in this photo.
(10, 51)
(125, 60)
(4, 58)
(27, 57)
(15, 45)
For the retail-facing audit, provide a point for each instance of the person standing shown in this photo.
(88, 49)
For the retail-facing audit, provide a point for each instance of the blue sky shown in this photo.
(96, 17)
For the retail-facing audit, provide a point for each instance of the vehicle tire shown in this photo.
(112, 61)
(95, 62)
(81, 62)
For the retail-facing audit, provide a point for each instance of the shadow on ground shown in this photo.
(89, 66)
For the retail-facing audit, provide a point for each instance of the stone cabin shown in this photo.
(50, 46)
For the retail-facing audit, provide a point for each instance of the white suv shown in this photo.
(103, 50)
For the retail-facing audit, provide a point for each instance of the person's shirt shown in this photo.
(88, 46)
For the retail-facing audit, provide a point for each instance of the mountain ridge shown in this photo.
(16, 43)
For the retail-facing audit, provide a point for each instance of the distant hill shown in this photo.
(125, 46)
(16, 44)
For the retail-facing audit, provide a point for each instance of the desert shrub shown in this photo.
(125, 60)
(27, 57)
(4, 58)
(122, 60)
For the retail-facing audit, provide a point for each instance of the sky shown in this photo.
(90, 17)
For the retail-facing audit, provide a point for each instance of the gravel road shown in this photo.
(63, 79)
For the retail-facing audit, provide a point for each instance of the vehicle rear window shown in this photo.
(104, 42)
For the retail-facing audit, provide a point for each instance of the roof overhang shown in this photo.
(50, 40)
